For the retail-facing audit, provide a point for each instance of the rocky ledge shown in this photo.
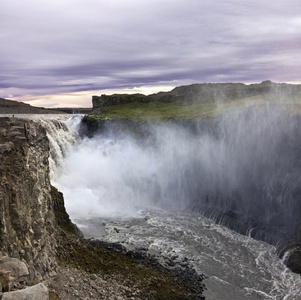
(43, 254)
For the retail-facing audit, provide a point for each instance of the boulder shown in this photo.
(17, 268)
(36, 292)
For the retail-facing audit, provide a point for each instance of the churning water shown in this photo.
(241, 170)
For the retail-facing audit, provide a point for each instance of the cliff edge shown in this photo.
(27, 223)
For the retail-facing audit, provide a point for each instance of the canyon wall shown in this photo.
(28, 223)
(37, 234)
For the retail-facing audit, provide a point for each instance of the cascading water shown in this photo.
(62, 132)
(241, 170)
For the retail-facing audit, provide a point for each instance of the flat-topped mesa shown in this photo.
(117, 99)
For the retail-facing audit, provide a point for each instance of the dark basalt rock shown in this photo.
(62, 218)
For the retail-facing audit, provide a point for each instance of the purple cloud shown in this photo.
(68, 46)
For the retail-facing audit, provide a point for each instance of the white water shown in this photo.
(237, 267)
(103, 181)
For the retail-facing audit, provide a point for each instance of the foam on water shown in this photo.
(242, 170)
(236, 266)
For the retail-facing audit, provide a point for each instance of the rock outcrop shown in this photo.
(27, 219)
(18, 269)
(36, 292)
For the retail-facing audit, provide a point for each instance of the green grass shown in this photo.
(197, 101)
(178, 110)
(172, 110)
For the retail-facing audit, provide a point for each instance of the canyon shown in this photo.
(38, 236)
(246, 177)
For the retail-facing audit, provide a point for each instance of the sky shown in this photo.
(59, 53)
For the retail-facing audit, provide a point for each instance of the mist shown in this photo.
(241, 169)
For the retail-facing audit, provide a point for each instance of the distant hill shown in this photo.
(15, 107)
(196, 101)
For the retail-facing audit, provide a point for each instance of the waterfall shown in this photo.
(149, 191)
(241, 169)
(62, 132)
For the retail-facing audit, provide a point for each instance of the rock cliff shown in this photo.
(27, 222)
(32, 212)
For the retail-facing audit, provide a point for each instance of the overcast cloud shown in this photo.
(66, 46)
